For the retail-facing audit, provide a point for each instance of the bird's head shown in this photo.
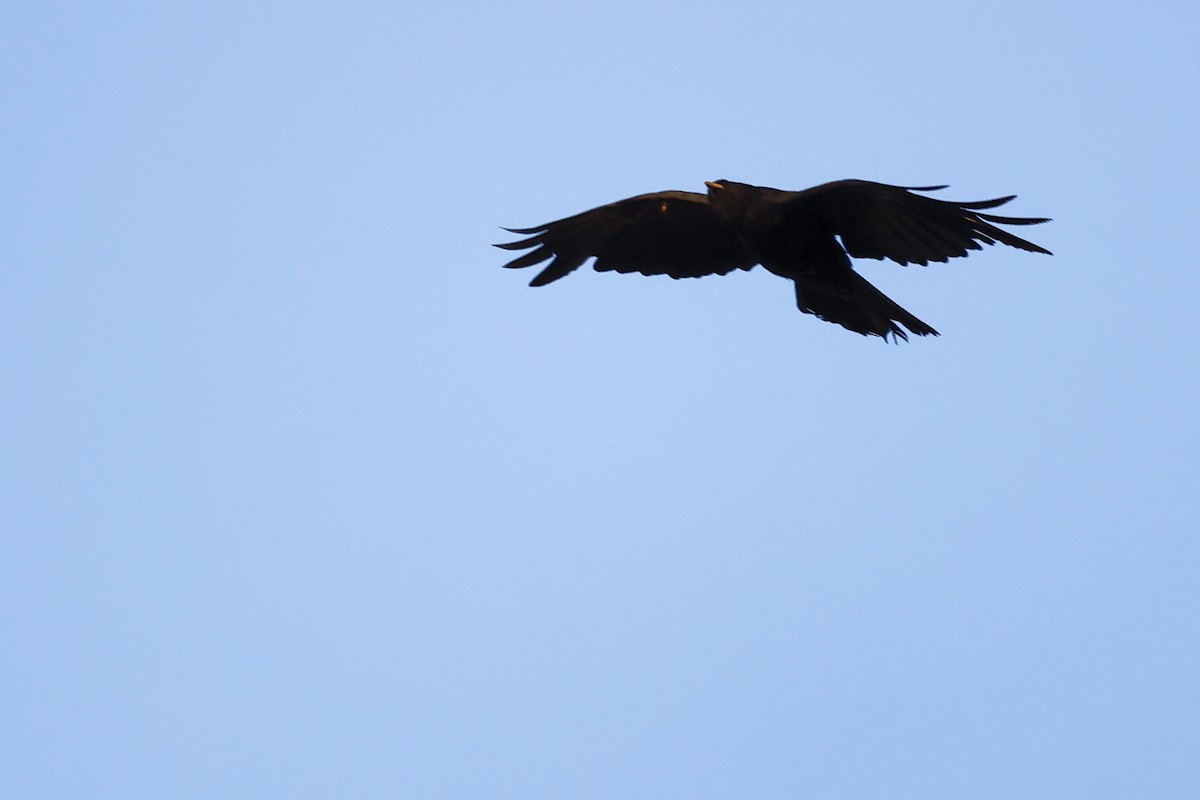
(731, 197)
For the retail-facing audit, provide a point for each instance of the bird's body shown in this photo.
(807, 237)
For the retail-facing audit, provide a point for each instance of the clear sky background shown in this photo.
(303, 496)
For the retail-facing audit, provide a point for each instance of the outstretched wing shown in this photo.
(875, 220)
(665, 233)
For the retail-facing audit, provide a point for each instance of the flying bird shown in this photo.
(807, 237)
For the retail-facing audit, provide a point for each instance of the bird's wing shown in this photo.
(665, 233)
(875, 220)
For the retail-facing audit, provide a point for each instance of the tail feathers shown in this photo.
(850, 301)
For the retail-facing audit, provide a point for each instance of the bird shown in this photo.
(808, 237)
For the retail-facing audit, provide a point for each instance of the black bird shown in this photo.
(807, 237)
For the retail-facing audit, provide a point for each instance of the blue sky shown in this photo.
(303, 496)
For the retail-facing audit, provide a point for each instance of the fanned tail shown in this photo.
(856, 305)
